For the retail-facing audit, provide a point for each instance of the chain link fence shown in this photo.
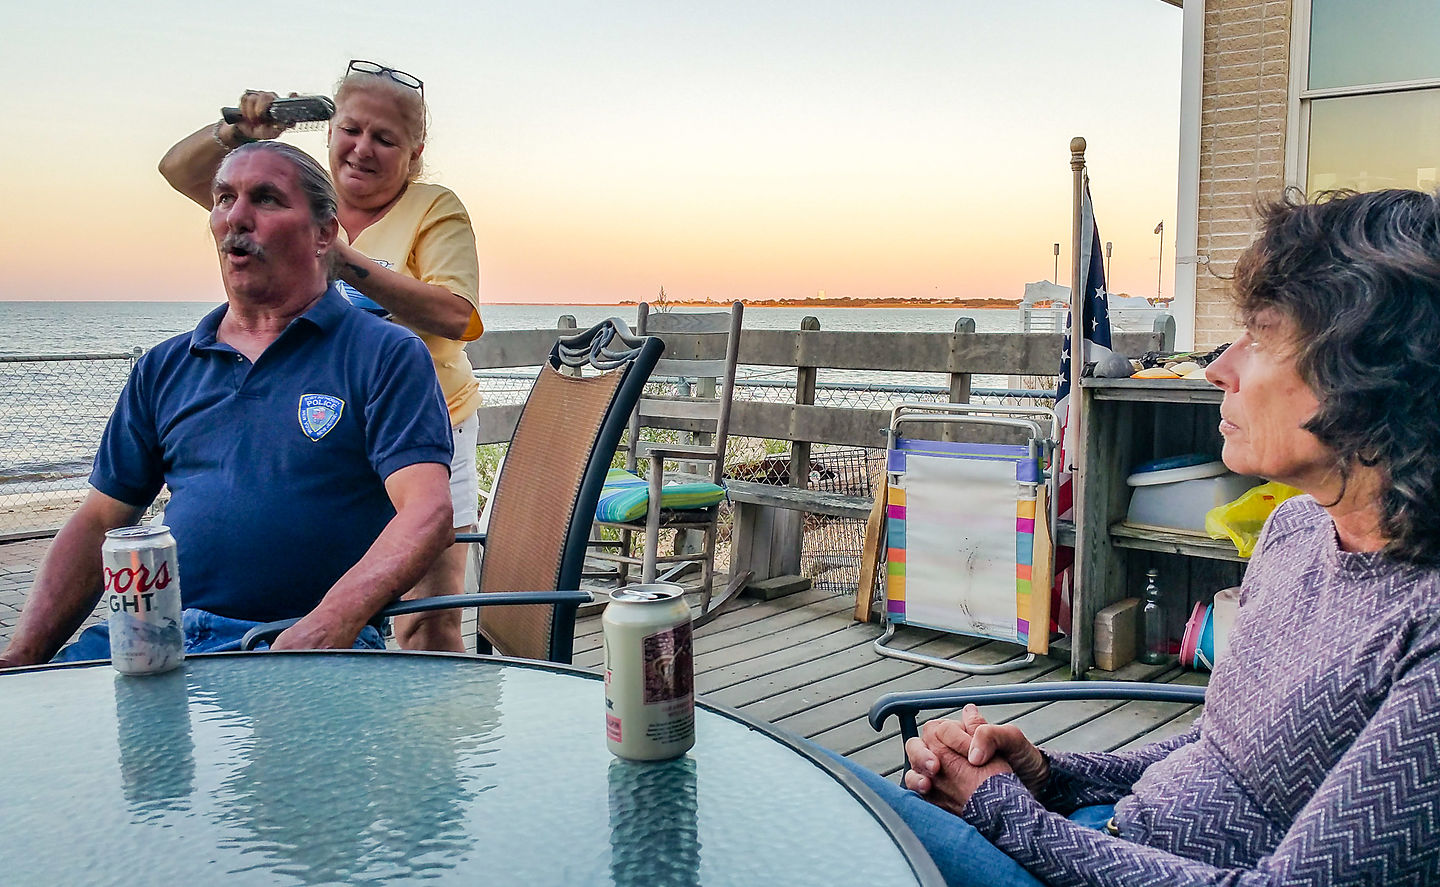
(55, 407)
(832, 547)
(52, 412)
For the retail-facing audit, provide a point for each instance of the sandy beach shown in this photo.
(24, 512)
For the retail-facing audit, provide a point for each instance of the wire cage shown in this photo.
(833, 546)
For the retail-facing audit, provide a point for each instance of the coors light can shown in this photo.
(142, 592)
(649, 673)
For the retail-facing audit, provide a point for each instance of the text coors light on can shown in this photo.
(649, 673)
(142, 595)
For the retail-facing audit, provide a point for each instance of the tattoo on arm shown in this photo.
(359, 271)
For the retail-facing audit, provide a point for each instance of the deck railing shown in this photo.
(55, 407)
(803, 353)
(801, 423)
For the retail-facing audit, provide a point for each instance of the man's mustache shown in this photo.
(240, 243)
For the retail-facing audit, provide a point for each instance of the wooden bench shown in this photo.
(765, 540)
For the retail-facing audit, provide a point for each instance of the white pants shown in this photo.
(464, 476)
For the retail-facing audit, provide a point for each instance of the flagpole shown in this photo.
(1076, 410)
(1077, 298)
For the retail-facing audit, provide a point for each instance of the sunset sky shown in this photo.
(723, 150)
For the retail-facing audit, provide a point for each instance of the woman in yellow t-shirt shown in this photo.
(411, 256)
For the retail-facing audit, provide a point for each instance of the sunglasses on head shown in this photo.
(380, 70)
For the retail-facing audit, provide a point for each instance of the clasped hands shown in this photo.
(949, 759)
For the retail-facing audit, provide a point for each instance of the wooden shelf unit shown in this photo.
(1129, 422)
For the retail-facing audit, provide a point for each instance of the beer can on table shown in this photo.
(142, 594)
(649, 673)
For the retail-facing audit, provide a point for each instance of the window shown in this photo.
(1370, 100)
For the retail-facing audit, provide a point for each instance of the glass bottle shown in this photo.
(1156, 648)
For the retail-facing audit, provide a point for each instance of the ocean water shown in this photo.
(77, 327)
(29, 328)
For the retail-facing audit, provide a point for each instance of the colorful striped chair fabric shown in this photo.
(626, 496)
(968, 545)
(990, 554)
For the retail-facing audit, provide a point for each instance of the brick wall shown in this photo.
(1245, 90)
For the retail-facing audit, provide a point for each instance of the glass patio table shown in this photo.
(389, 768)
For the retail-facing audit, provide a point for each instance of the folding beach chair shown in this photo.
(969, 529)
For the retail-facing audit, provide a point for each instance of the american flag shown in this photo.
(1097, 330)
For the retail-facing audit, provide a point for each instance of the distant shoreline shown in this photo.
(807, 303)
(1004, 304)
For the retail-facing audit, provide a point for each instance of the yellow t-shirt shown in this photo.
(427, 235)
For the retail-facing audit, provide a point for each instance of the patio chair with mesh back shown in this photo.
(545, 496)
(701, 351)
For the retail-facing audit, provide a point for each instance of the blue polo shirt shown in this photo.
(276, 469)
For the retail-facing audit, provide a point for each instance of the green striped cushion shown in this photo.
(626, 496)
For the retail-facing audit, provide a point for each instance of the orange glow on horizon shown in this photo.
(749, 152)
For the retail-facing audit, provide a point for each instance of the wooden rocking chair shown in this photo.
(698, 365)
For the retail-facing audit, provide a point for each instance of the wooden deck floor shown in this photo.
(801, 663)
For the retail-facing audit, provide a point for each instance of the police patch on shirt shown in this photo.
(319, 413)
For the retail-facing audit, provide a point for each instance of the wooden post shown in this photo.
(789, 527)
(959, 382)
(1076, 416)
(804, 396)
(1165, 326)
(567, 322)
(1077, 274)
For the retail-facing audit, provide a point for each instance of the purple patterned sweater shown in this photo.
(1317, 760)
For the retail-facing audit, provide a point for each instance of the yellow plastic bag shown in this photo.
(1240, 521)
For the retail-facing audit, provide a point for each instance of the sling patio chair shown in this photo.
(545, 496)
(968, 536)
(698, 366)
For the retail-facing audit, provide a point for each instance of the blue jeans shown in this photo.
(962, 854)
(205, 632)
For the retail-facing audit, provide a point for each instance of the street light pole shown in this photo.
(1160, 261)
(1109, 253)
(1056, 278)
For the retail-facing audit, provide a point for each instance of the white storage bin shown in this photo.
(1176, 499)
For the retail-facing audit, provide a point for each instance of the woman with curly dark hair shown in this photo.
(1351, 283)
(1317, 760)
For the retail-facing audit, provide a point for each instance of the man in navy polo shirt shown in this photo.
(305, 444)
